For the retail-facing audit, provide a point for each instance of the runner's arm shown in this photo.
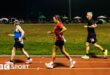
(63, 29)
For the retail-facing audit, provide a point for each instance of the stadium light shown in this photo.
(70, 10)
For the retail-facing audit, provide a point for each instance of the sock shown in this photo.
(51, 62)
(71, 59)
(28, 58)
(87, 54)
(11, 60)
(103, 51)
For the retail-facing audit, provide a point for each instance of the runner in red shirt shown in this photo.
(59, 42)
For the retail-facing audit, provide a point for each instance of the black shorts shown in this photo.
(59, 43)
(93, 37)
(18, 44)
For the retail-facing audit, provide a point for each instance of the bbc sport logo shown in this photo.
(13, 66)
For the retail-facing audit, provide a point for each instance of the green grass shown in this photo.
(39, 43)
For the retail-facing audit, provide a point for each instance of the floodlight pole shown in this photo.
(70, 10)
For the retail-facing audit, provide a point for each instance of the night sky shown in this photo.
(33, 8)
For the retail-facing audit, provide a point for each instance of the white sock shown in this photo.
(51, 62)
(71, 60)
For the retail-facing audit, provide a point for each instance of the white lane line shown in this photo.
(38, 68)
(70, 68)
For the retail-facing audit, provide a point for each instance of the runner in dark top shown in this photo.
(91, 38)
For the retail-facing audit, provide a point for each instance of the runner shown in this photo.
(59, 43)
(91, 38)
(18, 37)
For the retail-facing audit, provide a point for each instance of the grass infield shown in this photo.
(38, 42)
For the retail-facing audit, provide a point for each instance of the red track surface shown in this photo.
(93, 66)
